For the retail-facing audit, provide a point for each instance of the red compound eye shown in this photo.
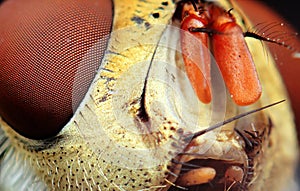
(49, 53)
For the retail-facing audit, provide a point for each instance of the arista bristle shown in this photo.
(274, 33)
(229, 120)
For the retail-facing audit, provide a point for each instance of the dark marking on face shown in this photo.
(138, 20)
(147, 25)
(41, 145)
(165, 3)
(155, 15)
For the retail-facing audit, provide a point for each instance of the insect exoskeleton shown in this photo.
(229, 50)
(236, 159)
(144, 107)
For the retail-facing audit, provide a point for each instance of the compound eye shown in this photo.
(49, 54)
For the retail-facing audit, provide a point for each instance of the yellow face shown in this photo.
(132, 129)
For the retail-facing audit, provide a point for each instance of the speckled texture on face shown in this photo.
(75, 166)
(71, 160)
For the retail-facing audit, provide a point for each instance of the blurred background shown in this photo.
(287, 9)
